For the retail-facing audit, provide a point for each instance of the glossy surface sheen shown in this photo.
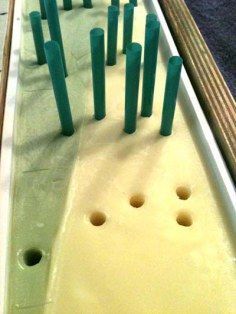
(115, 236)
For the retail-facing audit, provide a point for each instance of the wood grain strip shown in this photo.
(5, 63)
(214, 96)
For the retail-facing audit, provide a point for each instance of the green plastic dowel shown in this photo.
(133, 61)
(151, 17)
(135, 2)
(117, 4)
(112, 28)
(55, 65)
(171, 90)
(67, 4)
(88, 4)
(54, 27)
(42, 9)
(150, 63)
(35, 20)
(128, 24)
(98, 71)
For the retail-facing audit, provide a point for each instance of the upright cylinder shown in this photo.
(88, 4)
(133, 61)
(67, 4)
(42, 9)
(150, 63)
(55, 65)
(171, 90)
(151, 17)
(117, 4)
(36, 25)
(112, 28)
(54, 27)
(98, 71)
(128, 25)
(134, 2)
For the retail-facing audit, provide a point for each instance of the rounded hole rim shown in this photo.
(97, 218)
(137, 200)
(184, 219)
(32, 257)
(183, 192)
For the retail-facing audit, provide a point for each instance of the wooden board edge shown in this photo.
(214, 96)
(6, 62)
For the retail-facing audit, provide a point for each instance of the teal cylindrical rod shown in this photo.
(112, 28)
(36, 25)
(151, 17)
(67, 4)
(117, 4)
(42, 9)
(150, 63)
(88, 4)
(128, 24)
(171, 90)
(135, 2)
(54, 27)
(55, 65)
(98, 71)
(133, 61)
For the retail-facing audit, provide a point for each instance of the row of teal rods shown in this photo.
(52, 52)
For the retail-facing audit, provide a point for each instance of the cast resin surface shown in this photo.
(105, 207)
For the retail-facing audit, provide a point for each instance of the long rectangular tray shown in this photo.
(200, 128)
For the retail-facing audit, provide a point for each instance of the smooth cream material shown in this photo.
(140, 260)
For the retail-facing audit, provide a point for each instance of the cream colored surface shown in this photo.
(140, 260)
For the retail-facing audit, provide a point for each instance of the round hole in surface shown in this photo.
(97, 218)
(183, 192)
(184, 219)
(32, 257)
(137, 200)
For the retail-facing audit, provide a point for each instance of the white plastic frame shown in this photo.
(201, 128)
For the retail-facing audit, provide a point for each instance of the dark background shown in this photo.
(216, 20)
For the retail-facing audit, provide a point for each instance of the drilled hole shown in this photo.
(32, 257)
(184, 219)
(183, 192)
(97, 218)
(137, 200)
